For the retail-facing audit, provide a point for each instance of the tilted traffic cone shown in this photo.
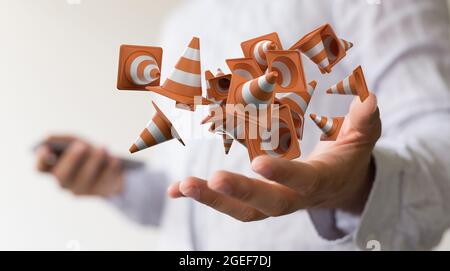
(346, 44)
(247, 68)
(259, 91)
(217, 86)
(157, 131)
(313, 47)
(185, 83)
(329, 126)
(289, 66)
(257, 48)
(354, 84)
(299, 101)
(139, 67)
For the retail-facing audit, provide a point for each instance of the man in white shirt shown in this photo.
(385, 187)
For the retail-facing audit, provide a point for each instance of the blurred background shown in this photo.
(61, 56)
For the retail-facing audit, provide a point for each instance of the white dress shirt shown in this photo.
(403, 46)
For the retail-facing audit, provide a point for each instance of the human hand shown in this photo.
(81, 168)
(337, 175)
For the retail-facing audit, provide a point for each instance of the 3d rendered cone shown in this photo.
(288, 64)
(247, 68)
(157, 131)
(354, 84)
(184, 83)
(259, 91)
(282, 141)
(217, 86)
(257, 48)
(329, 126)
(298, 101)
(139, 67)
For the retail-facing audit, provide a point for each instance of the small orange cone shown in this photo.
(289, 66)
(245, 67)
(217, 86)
(184, 83)
(259, 91)
(313, 47)
(139, 67)
(346, 44)
(355, 84)
(298, 101)
(257, 48)
(329, 126)
(158, 130)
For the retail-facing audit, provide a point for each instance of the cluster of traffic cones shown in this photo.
(266, 89)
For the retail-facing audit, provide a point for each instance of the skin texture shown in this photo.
(337, 175)
(82, 169)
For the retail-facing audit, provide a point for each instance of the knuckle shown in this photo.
(280, 207)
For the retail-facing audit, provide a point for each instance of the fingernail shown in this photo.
(223, 189)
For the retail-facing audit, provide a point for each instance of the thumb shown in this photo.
(364, 115)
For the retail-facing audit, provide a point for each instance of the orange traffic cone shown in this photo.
(282, 141)
(217, 86)
(158, 130)
(299, 101)
(139, 67)
(289, 66)
(245, 67)
(257, 48)
(329, 126)
(355, 84)
(323, 47)
(185, 83)
(259, 91)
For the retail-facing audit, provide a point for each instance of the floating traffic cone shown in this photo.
(246, 67)
(323, 47)
(185, 83)
(289, 66)
(257, 48)
(329, 126)
(355, 84)
(299, 101)
(282, 141)
(217, 86)
(259, 91)
(158, 130)
(139, 67)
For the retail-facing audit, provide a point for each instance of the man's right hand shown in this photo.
(82, 168)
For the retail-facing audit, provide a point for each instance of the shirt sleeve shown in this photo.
(403, 46)
(143, 197)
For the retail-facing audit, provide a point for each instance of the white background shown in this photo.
(57, 73)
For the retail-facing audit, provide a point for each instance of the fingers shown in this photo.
(270, 198)
(69, 163)
(299, 176)
(90, 171)
(364, 116)
(109, 181)
(174, 191)
(198, 190)
(44, 159)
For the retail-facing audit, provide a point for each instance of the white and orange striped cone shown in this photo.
(329, 126)
(139, 67)
(298, 101)
(247, 68)
(313, 47)
(355, 84)
(259, 91)
(185, 83)
(289, 66)
(157, 131)
(257, 48)
(217, 86)
(346, 44)
(286, 146)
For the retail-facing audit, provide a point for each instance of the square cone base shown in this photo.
(289, 66)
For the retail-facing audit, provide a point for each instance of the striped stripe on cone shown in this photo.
(354, 84)
(299, 101)
(142, 69)
(184, 83)
(248, 68)
(346, 44)
(260, 50)
(329, 126)
(314, 49)
(258, 91)
(157, 131)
